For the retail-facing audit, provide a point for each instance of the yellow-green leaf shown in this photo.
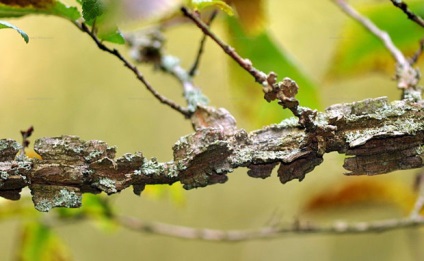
(175, 193)
(95, 208)
(359, 51)
(38, 242)
(112, 35)
(202, 4)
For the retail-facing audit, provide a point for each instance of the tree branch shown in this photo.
(298, 227)
(378, 137)
(244, 63)
(147, 47)
(284, 91)
(134, 69)
(196, 63)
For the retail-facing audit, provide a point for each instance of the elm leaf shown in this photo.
(92, 9)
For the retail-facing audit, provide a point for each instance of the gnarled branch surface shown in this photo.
(376, 136)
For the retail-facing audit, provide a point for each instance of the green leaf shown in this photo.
(103, 17)
(46, 8)
(359, 51)
(39, 243)
(91, 9)
(267, 56)
(62, 10)
(113, 36)
(8, 25)
(174, 193)
(202, 4)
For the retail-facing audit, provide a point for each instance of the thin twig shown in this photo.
(267, 232)
(283, 91)
(404, 7)
(419, 203)
(246, 64)
(147, 47)
(134, 69)
(196, 63)
(406, 76)
(370, 26)
(192, 94)
(418, 53)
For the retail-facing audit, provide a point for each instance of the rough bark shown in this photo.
(376, 136)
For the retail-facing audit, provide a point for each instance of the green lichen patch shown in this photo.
(107, 185)
(420, 150)
(4, 175)
(51, 196)
(175, 169)
(8, 149)
(130, 163)
(128, 157)
(96, 149)
(44, 205)
(68, 199)
(151, 167)
(289, 122)
(240, 157)
(396, 127)
(67, 148)
(73, 149)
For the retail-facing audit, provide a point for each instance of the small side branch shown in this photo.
(134, 69)
(370, 26)
(404, 7)
(338, 228)
(196, 63)
(406, 76)
(419, 203)
(418, 53)
(147, 46)
(246, 64)
(283, 91)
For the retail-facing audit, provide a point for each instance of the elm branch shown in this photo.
(298, 227)
(376, 136)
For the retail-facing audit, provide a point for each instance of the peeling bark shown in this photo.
(377, 137)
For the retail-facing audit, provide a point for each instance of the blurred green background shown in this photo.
(61, 83)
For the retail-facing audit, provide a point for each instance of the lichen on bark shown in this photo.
(376, 136)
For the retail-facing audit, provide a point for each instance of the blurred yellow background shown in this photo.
(61, 83)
